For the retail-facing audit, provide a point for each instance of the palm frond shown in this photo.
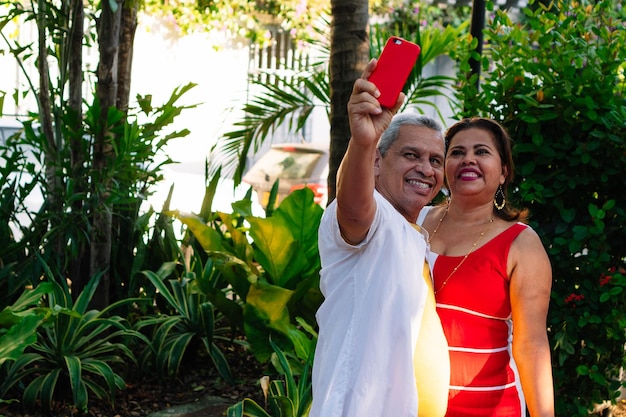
(289, 102)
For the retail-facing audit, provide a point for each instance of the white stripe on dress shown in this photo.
(472, 312)
(477, 350)
(483, 389)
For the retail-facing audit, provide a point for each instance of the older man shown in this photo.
(381, 350)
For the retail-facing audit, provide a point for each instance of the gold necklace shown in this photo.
(467, 254)
(430, 237)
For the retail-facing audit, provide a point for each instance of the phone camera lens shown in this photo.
(397, 41)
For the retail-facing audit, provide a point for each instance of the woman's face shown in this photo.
(473, 164)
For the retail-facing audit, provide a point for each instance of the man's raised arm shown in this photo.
(355, 178)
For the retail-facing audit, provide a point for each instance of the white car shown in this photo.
(294, 165)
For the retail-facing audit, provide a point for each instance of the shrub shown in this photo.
(76, 349)
(192, 322)
(272, 265)
(291, 396)
(556, 83)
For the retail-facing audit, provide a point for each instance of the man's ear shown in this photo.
(377, 159)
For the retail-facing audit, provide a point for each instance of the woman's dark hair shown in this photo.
(504, 146)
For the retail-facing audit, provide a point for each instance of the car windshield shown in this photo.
(286, 165)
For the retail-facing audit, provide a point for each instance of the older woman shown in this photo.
(492, 281)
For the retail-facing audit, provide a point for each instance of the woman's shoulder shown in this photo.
(526, 237)
(423, 213)
(427, 213)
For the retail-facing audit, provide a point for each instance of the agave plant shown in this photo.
(193, 322)
(78, 349)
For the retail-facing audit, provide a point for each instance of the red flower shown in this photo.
(605, 279)
(573, 298)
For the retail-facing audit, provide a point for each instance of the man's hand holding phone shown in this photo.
(393, 69)
(368, 119)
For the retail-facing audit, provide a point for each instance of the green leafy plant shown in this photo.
(20, 177)
(276, 277)
(77, 349)
(290, 396)
(96, 158)
(20, 321)
(556, 83)
(194, 321)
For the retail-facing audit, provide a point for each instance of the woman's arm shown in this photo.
(531, 283)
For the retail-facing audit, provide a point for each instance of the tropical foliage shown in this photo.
(289, 396)
(557, 84)
(76, 348)
(90, 159)
(176, 335)
(276, 277)
(20, 321)
(240, 18)
(236, 278)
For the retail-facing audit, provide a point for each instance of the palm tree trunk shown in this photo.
(106, 92)
(53, 181)
(349, 53)
(77, 266)
(125, 56)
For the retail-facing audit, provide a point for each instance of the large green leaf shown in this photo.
(275, 247)
(302, 215)
(248, 408)
(208, 237)
(79, 391)
(270, 302)
(265, 310)
(19, 336)
(241, 246)
(30, 297)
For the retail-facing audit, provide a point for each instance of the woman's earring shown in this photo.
(499, 193)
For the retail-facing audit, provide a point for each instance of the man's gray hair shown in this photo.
(390, 135)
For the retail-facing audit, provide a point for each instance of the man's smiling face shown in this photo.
(410, 174)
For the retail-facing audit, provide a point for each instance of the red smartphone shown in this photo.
(393, 68)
